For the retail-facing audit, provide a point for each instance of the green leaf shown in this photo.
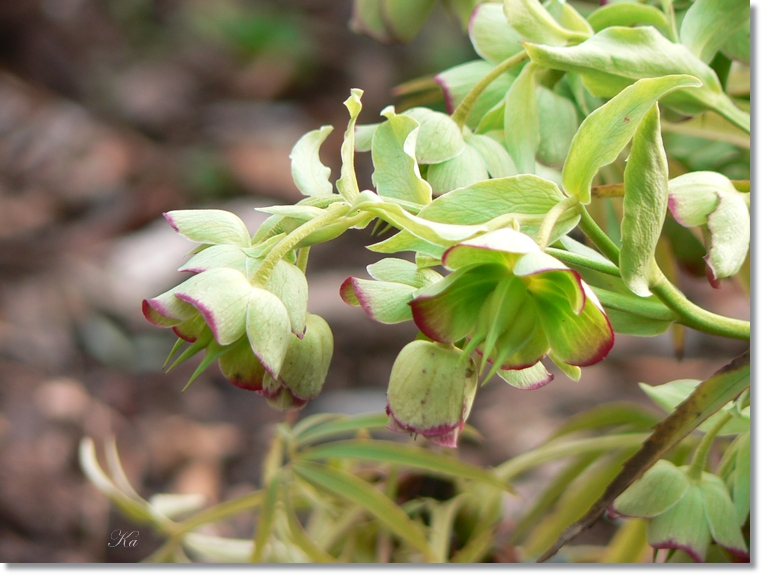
(88, 461)
(612, 414)
(396, 173)
(645, 204)
(492, 37)
(210, 227)
(725, 385)
(266, 519)
(347, 183)
(459, 172)
(535, 23)
(439, 138)
(407, 456)
(353, 489)
(340, 425)
(497, 160)
(557, 124)
(670, 395)
(405, 18)
(522, 121)
(628, 14)
(309, 173)
(457, 82)
(221, 295)
(605, 132)
(708, 24)
(618, 56)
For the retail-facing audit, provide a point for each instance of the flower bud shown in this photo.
(431, 390)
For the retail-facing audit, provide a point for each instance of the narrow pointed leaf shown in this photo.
(349, 487)
(604, 133)
(645, 204)
(310, 175)
(407, 456)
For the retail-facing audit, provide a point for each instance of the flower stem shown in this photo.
(332, 213)
(301, 261)
(702, 451)
(551, 218)
(689, 314)
(460, 115)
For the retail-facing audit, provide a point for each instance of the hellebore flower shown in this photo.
(683, 513)
(515, 304)
(431, 390)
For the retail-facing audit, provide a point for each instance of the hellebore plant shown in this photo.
(507, 267)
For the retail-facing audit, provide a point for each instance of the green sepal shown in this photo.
(307, 360)
(528, 378)
(439, 138)
(289, 283)
(405, 18)
(496, 159)
(268, 329)
(659, 489)
(347, 183)
(522, 121)
(533, 22)
(210, 227)
(683, 526)
(216, 256)
(491, 35)
(463, 170)
(721, 516)
(241, 367)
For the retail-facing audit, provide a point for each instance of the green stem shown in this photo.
(553, 215)
(702, 451)
(301, 261)
(598, 236)
(669, 10)
(584, 262)
(332, 213)
(695, 316)
(460, 115)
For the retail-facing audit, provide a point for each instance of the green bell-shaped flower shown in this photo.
(682, 512)
(516, 304)
(431, 390)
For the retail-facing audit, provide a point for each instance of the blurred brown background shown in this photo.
(113, 111)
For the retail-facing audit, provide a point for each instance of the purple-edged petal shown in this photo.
(386, 302)
(190, 329)
(166, 310)
(444, 435)
(721, 516)
(545, 274)
(289, 283)
(529, 378)
(683, 526)
(241, 367)
(284, 400)
(221, 295)
(500, 247)
(533, 351)
(210, 227)
(577, 339)
(216, 256)
(659, 489)
(268, 328)
(447, 311)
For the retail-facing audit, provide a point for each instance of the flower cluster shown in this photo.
(257, 328)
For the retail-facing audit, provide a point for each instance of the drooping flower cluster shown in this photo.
(683, 512)
(260, 332)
